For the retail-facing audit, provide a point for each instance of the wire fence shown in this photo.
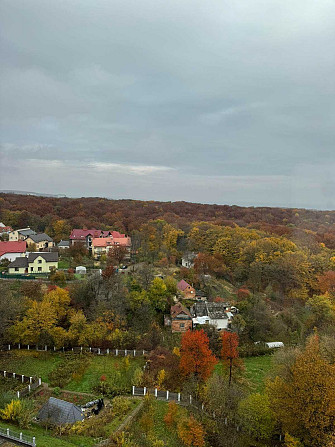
(78, 350)
(33, 382)
(7, 433)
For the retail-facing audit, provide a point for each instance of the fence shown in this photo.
(182, 399)
(33, 382)
(80, 349)
(22, 439)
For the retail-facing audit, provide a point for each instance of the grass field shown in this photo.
(118, 370)
(256, 370)
(48, 439)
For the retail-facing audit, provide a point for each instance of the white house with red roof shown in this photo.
(86, 236)
(102, 246)
(12, 249)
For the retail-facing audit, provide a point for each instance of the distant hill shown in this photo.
(29, 193)
(41, 211)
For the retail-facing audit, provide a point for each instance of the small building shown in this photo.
(21, 234)
(12, 249)
(35, 262)
(186, 289)
(81, 270)
(215, 314)
(63, 245)
(187, 260)
(41, 240)
(57, 411)
(181, 319)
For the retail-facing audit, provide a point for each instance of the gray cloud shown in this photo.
(226, 102)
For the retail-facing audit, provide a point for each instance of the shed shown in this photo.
(81, 270)
(57, 411)
(275, 344)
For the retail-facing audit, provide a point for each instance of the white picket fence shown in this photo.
(166, 395)
(33, 382)
(80, 349)
(11, 435)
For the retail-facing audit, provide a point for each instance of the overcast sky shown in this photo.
(227, 101)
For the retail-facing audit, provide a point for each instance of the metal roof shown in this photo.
(57, 411)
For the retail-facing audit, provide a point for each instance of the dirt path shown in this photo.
(129, 418)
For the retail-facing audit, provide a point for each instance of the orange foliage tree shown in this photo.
(229, 351)
(196, 357)
(191, 433)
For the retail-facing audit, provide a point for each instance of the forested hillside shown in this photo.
(57, 216)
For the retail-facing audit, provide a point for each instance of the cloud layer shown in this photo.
(219, 102)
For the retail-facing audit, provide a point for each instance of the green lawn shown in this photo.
(256, 370)
(114, 368)
(30, 363)
(48, 439)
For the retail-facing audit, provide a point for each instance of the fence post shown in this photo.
(202, 407)
(90, 349)
(8, 432)
(144, 391)
(20, 436)
(19, 345)
(30, 379)
(178, 397)
(22, 378)
(279, 437)
(116, 352)
(8, 347)
(134, 352)
(14, 374)
(190, 399)
(54, 348)
(125, 352)
(39, 381)
(29, 388)
(4, 373)
(107, 351)
(28, 347)
(63, 349)
(167, 395)
(143, 352)
(18, 394)
(45, 348)
(155, 392)
(72, 349)
(98, 350)
(34, 441)
(225, 421)
(133, 390)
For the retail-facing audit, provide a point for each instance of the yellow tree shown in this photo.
(304, 404)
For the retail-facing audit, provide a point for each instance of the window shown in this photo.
(39, 269)
(16, 269)
(31, 269)
(40, 261)
(182, 325)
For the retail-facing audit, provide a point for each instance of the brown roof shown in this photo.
(178, 309)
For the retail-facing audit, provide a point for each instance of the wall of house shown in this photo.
(221, 323)
(20, 270)
(181, 325)
(39, 245)
(44, 266)
(14, 236)
(189, 292)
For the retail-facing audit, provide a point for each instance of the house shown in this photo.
(86, 236)
(12, 249)
(63, 245)
(41, 240)
(187, 260)
(181, 319)
(57, 411)
(186, 289)
(22, 234)
(215, 314)
(5, 229)
(102, 246)
(35, 262)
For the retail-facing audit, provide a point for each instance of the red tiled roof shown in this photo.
(182, 285)
(178, 309)
(12, 247)
(105, 241)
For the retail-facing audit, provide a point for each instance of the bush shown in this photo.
(19, 412)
